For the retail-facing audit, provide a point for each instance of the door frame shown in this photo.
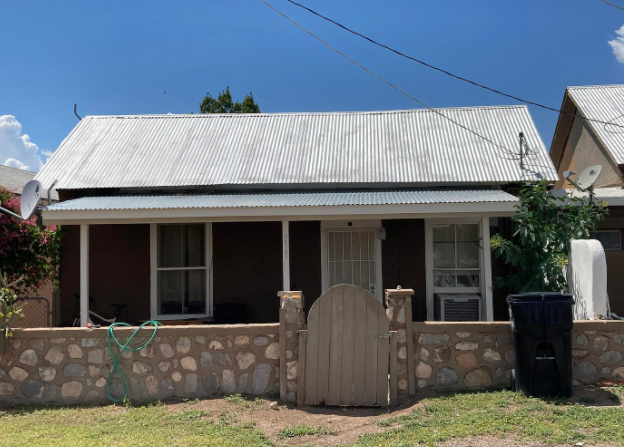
(351, 225)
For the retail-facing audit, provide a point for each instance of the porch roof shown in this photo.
(280, 206)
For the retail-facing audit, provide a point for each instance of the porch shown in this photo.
(181, 258)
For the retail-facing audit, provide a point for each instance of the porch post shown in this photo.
(285, 255)
(84, 275)
(487, 270)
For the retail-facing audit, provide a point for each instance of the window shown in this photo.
(181, 272)
(456, 257)
(610, 239)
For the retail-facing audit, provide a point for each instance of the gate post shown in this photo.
(399, 311)
(291, 320)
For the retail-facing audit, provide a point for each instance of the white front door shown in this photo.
(352, 255)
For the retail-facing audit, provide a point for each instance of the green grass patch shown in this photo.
(501, 414)
(305, 430)
(116, 426)
(238, 399)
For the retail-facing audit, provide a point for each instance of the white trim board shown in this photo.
(342, 212)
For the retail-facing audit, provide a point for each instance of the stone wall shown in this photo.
(480, 355)
(597, 351)
(72, 364)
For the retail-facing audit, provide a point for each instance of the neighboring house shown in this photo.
(15, 180)
(578, 144)
(175, 214)
(37, 313)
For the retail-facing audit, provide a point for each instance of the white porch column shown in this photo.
(84, 275)
(285, 255)
(487, 269)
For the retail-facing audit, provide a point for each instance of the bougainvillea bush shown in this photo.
(27, 250)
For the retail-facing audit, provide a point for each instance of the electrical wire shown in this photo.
(612, 4)
(446, 72)
(509, 154)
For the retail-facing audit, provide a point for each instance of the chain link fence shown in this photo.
(37, 313)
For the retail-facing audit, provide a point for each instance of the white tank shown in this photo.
(587, 279)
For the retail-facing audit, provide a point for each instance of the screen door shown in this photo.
(351, 258)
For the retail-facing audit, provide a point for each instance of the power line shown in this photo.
(446, 72)
(511, 155)
(612, 4)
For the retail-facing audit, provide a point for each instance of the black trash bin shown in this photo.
(541, 325)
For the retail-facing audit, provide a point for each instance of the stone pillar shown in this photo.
(291, 320)
(399, 311)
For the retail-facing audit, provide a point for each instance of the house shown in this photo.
(15, 179)
(176, 215)
(578, 144)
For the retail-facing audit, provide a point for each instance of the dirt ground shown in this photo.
(351, 423)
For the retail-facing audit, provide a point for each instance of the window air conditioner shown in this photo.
(459, 306)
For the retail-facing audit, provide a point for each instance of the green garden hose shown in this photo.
(122, 348)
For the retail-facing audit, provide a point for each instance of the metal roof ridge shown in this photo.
(346, 112)
(580, 87)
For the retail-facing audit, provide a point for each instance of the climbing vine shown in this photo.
(27, 250)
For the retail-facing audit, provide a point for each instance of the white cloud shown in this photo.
(617, 45)
(16, 149)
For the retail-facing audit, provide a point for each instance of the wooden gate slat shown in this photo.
(393, 369)
(348, 346)
(335, 357)
(322, 378)
(372, 339)
(301, 384)
(359, 351)
(312, 356)
(383, 351)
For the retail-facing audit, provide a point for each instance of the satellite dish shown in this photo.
(30, 198)
(588, 177)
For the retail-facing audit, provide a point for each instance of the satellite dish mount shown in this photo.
(585, 180)
(31, 193)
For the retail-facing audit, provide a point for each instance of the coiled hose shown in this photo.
(124, 347)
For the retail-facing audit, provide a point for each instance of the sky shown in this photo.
(153, 57)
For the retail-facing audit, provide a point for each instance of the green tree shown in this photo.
(224, 104)
(544, 225)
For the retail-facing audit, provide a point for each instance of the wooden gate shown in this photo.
(346, 350)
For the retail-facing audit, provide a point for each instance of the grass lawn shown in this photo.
(595, 416)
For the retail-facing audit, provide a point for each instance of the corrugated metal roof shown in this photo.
(16, 179)
(350, 148)
(604, 103)
(282, 200)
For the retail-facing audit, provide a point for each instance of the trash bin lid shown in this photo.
(540, 297)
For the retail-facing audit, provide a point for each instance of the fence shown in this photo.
(37, 313)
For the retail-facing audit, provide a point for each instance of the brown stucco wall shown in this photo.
(247, 263)
(403, 260)
(615, 261)
(305, 260)
(119, 270)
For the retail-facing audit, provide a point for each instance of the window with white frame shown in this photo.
(456, 257)
(182, 270)
(610, 239)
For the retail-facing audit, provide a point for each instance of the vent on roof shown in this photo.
(460, 307)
